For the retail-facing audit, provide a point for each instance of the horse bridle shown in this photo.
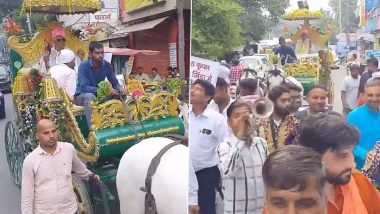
(150, 202)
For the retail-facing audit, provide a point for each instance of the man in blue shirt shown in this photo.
(91, 73)
(286, 52)
(367, 119)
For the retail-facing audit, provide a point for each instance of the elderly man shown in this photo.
(46, 174)
(304, 45)
(64, 72)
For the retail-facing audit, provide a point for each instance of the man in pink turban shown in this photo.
(59, 42)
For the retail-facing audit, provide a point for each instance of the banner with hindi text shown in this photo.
(203, 69)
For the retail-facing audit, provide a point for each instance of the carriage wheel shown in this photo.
(14, 151)
(82, 196)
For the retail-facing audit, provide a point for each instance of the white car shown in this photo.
(257, 62)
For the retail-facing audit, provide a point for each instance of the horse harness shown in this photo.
(150, 202)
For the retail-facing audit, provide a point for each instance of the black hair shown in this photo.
(292, 86)
(221, 83)
(169, 68)
(328, 130)
(154, 69)
(95, 45)
(277, 92)
(292, 167)
(207, 86)
(281, 39)
(316, 87)
(237, 104)
(373, 61)
(354, 66)
(249, 84)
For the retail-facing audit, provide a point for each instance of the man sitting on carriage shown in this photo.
(286, 52)
(91, 73)
(304, 45)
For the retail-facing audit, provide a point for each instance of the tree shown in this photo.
(261, 16)
(349, 20)
(216, 27)
(8, 7)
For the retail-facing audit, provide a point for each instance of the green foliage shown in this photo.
(261, 16)
(216, 28)
(9, 7)
(104, 92)
(349, 19)
(219, 26)
(172, 84)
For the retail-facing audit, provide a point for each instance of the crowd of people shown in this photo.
(295, 160)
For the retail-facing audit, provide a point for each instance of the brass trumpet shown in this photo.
(261, 108)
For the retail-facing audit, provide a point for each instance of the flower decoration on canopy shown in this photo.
(61, 6)
(303, 14)
(12, 27)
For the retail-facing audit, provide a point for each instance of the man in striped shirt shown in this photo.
(242, 157)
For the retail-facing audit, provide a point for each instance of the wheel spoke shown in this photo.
(15, 155)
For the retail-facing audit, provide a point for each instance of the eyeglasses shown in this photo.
(61, 40)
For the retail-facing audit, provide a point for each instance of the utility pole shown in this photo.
(340, 16)
(29, 24)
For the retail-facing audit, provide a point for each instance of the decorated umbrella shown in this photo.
(61, 6)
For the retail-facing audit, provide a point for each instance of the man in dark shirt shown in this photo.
(372, 66)
(287, 54)
(91, 73)
(317, 99)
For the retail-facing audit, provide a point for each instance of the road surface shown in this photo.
(9, 192)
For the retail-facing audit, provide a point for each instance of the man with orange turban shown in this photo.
(304, 45)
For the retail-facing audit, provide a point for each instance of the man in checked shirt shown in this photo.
(46, 175)
(236, 71)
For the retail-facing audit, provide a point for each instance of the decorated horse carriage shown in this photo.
(315, 59)
(117, 124)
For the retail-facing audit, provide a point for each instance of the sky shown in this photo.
(313, 4)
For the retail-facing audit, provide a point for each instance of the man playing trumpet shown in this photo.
(242, 157)
(281, 128)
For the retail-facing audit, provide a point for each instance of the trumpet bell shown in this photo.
(262, 108)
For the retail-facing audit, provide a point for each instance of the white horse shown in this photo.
(169, 183)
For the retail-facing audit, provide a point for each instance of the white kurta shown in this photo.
(66, 78)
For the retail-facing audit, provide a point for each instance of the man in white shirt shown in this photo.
(222, 99)
(350, 89)
(156, 76)
(143, 77)
(64, 72)
(207, 130)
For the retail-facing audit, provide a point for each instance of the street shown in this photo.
(9, 193)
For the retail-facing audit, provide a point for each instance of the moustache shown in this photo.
(346, 171)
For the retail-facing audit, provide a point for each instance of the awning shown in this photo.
(129, 52)
(141, 26)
